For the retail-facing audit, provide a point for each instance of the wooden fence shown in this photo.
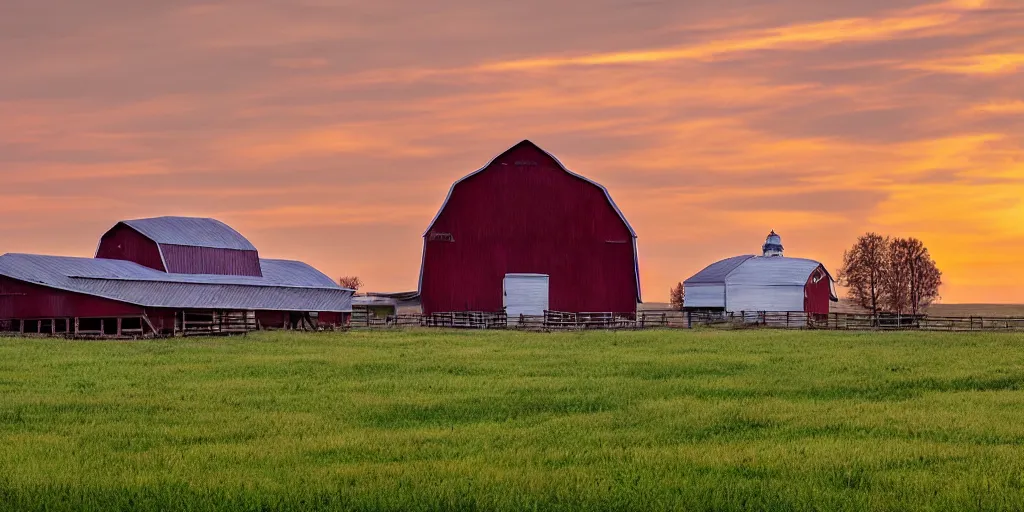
(654, 319)
(851, 321)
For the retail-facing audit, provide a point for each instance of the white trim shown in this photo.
(607, 195)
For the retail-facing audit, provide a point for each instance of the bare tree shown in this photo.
(863, 270)
(914, 278)
(896, 278)
(352, 282)
(676, 296)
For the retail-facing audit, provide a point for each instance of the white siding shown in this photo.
(525, 294)
(705, 296)
(744, 297)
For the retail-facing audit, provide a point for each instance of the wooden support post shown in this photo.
(145, 320)
(103, 329)
(118, 327)
(76, 326)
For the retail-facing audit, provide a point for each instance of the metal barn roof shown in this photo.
(757, 271)
(191, 231)
(715, 273)
(772, 271)
(285, 285)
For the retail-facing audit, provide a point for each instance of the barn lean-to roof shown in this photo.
(608, 196)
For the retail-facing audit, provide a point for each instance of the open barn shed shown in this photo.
(525, 233)
(166, 276)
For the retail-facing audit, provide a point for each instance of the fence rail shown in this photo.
(675, 319)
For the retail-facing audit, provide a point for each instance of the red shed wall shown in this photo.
(515, 217)
(162, 319)
(817, 296)
(20, 300)
(124, 243)
(186, 259)
(272, 319)
(332, 318)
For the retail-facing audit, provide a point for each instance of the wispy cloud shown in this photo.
(799, 36)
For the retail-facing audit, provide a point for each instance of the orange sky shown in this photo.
(330, 131)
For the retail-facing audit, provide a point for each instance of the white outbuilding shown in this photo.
(769, 283)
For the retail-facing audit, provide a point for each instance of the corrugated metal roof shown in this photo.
(772, 271)
(286, 285)
(715, 273)
(193, 231)
(218, 296)
(756, 271)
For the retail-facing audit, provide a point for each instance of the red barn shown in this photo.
(181, 245)
(526, 233)
(168, 275)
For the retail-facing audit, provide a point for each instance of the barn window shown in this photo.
(818, 276)
(440, 237)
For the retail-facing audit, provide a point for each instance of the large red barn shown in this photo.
(525, 217)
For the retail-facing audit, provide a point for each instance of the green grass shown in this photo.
(436, 420)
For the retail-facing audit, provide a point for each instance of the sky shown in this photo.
(331, 130)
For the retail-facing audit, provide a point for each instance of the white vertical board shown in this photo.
(705, 295)
(525, 294)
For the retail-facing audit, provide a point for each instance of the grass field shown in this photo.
(434, 420)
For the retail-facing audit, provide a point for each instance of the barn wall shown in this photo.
(184, 259)
(524, 214)
(20, 300)
(818, 295)
(124, 243)
(333, 318)
(747, 297)
(272, 319)
(162, 319)
(705, 296)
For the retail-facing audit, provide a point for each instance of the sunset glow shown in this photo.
(331, 131)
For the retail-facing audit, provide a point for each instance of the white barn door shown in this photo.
(525, 294)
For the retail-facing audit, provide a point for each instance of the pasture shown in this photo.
(492, 420)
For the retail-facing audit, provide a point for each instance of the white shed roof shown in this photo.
(772, 271)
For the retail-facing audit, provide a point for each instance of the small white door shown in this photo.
(525, 294)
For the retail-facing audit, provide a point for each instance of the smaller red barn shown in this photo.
(181, 245)
(169, 275)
